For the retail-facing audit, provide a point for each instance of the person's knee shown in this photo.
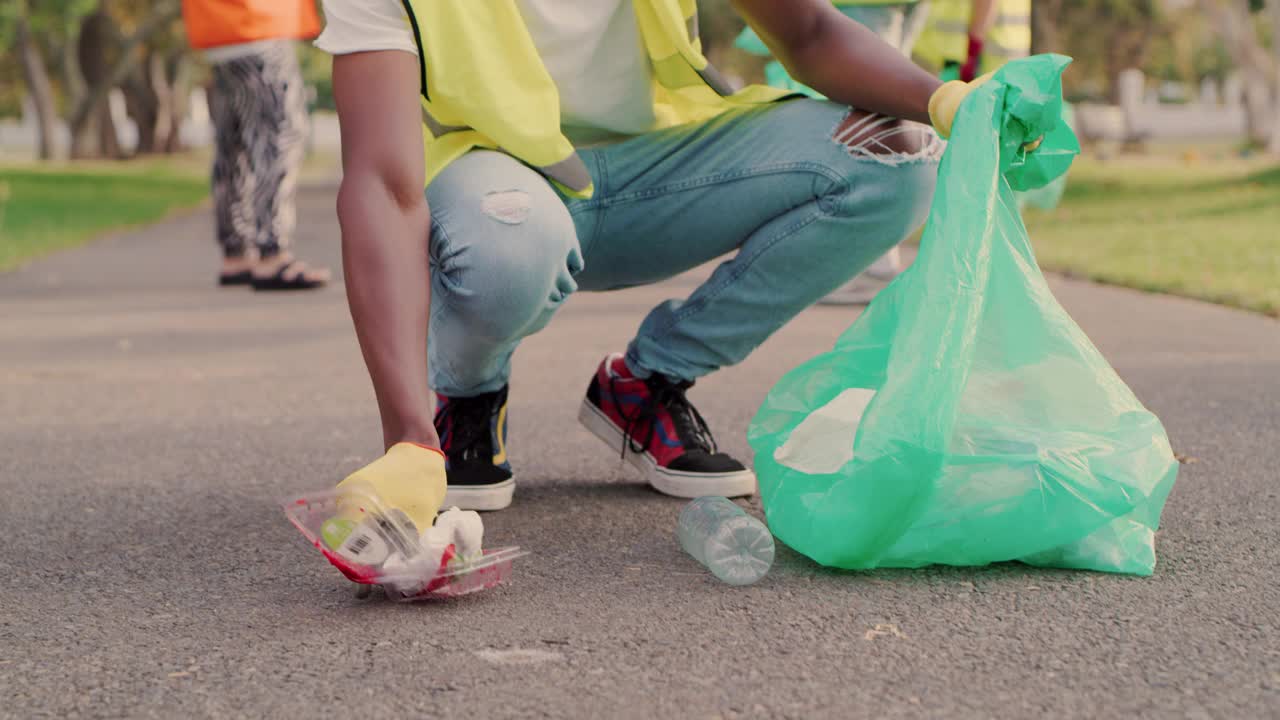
(529, 245)
(891, 174)
(880, 204)
(504, 258)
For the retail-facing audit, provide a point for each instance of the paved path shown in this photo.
(148, 422)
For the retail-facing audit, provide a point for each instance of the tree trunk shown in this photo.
(84, 138)
(36, 77)
(1273, 14)
(179, 101)
(1127, 49)
(106, 59)
(94, 47)
(1257, 110)
(72, 81)
(96, 136)
(75, 91)
(144, 93)
(1045, 37)
(162, 86)
(108, 137)
(1260, 71)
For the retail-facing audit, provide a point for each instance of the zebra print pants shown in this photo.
(258, 108)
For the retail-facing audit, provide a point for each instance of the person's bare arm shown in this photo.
(385, 222)
(840, 58)
(982, 18)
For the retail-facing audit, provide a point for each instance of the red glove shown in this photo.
(969, 70)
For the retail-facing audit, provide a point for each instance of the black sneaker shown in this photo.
(473, 435)
(655, 427)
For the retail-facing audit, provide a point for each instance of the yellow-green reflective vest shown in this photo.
(946, 36)
(484, 85)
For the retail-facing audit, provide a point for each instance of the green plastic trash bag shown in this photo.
(964, 418)
(1042, 198)
(1047, 197)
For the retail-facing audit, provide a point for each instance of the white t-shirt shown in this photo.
(591, 48)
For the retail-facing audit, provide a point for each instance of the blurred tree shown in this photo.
(36, 78)
(1046, 16)
(1111, 36)
(1188, 52)
(1242, 25)
(93, 130)
(1273, 23)
(43, 34)
(157, 86)
(108, 57)
(72, 53)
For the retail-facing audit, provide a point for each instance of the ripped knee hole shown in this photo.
(885, 139)
(510, 207)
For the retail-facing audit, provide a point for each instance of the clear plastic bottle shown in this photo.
(734, 546)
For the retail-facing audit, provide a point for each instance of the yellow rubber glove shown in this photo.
(946, 101)
(409, 478)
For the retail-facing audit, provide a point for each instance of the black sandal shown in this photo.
(244, 277)
(279, 281)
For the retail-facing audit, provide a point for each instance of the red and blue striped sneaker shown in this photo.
(653, 425)
(473, 435)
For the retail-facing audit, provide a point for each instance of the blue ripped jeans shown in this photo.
(797, 213)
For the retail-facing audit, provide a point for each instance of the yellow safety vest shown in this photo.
(946, 37)
(484, 85)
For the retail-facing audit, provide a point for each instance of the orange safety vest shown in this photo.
(213, 23)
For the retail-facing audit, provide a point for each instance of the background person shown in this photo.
(258, 108)
(967, 38)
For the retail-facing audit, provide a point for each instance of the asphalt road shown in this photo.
(149, 421)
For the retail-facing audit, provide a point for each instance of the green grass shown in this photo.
(47, 208)
(1203, 229)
